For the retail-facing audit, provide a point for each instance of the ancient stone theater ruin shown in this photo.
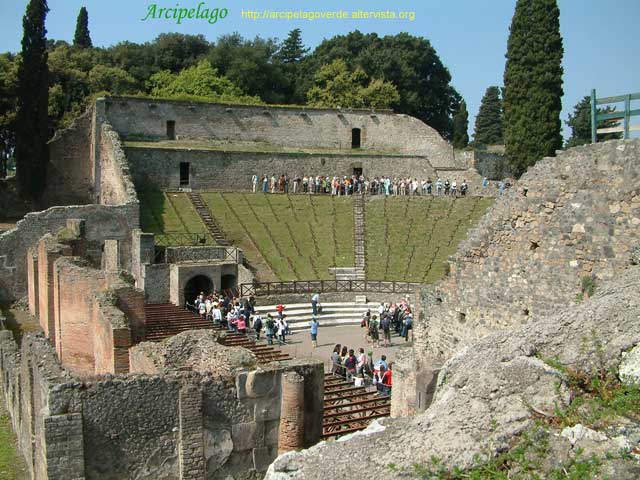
(123, 382)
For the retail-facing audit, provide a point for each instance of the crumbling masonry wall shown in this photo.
(529, 254)
(102, 222)
(171, 426)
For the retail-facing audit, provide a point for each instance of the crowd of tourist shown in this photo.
(242, 316)
(345, 185)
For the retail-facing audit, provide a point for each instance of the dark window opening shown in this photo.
(357, 172)
(228, 282)
(184, 173)
(171, 129)
(355, 138)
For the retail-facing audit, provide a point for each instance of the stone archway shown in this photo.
(228, 281)
(197, 284)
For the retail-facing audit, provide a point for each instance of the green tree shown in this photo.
(460, 127)
(533, 84)
(8, 89)
(202, 81)
(32, 153)
(289, 57)
(580, 124)
(336, 86)
(111, 79)
(488, 128)
(410, 63)
(82, 39)
(292, 49)
(251, 65)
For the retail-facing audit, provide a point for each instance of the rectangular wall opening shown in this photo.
(171, 130)
(184, 174)
(355, 138)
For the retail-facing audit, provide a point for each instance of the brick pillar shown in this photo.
(291, 436)
(191, 440)
(64, 447)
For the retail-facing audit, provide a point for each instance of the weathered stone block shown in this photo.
(262, 458)
(267, 409)
(245, 436)
(260, 383)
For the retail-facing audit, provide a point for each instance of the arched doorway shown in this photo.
(228, 281)
(199, 283)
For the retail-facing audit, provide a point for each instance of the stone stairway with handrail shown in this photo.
(208, 220)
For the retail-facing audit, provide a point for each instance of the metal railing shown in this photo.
(197, 254)
(615, 116)
(180, 239)
(325, 286)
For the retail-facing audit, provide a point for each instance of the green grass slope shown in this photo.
(410, 238)
(164, 212)
(287, 237)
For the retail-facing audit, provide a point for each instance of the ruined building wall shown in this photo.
(160, 167)
(279, 126)
(528, 255)
(171, 426)
(102, 222)
(116, 187)
(70, 172)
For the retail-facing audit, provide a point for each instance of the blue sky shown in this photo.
(601, 37)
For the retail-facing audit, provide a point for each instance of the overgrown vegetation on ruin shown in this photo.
(410, 238)
(163, 213)
(528, 459)
(295, 237)
(11, 462)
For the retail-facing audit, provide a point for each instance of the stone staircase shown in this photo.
(334, 314)
(359, 236)
(164, 320)
(207, 219)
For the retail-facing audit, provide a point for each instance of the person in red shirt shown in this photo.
(384, 386)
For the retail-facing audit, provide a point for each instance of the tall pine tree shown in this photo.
(32, 154)
(81, 39)
(292, 49)
(460, 126)
(533, 84)
(488, 128)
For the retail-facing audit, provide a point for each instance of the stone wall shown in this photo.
(102, 222)
(70, 172)
(529, 254)
(160, 167)
(279, 126)
(116, 187)
(170, 426)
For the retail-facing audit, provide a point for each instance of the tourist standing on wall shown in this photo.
(313, 324)
(265, 184)
(254, 183)
(315, 300)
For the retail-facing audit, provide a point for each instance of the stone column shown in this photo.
(291, 436)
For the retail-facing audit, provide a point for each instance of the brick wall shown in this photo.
(75, 287)
(102, 223)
